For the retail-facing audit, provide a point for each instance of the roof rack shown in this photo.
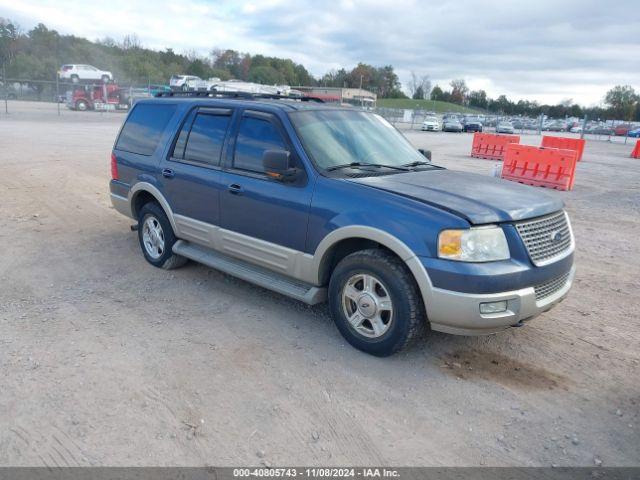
(239, 95)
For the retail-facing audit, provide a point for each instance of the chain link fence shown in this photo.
(611, 131)
(100, 96)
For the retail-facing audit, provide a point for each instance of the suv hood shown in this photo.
(476, 198)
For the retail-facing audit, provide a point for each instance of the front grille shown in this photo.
(551, 286)
(546, 237)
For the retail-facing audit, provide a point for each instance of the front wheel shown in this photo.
(375, 302)
(156, 238)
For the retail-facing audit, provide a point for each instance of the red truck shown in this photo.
(104, 96)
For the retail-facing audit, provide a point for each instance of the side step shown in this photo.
(302, 291)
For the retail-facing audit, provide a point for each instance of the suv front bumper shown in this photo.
(459, 313)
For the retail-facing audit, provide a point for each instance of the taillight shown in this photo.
(114, 167)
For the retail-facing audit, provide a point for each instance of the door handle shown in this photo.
(168, 173)
(235, 189)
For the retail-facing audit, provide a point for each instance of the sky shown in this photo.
(543, 50)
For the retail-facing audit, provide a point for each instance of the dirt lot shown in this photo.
(105, 360)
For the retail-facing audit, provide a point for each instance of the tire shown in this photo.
(82, 106)
(105, 79)
(393, 286)
(75, 79)
(152, 217)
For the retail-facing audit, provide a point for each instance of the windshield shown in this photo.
(338, 137)
(431, 119)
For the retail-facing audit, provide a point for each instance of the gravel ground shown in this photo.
(105, 360)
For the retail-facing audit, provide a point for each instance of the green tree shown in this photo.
(266, 75)
(437, 93)
(459, 91)
(622, 99)
(478, 99)
(8, 41)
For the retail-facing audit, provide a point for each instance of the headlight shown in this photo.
(482, 244)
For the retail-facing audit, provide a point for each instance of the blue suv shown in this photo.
(324, 203)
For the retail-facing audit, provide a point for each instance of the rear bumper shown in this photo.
(121, 204)
(459, 313)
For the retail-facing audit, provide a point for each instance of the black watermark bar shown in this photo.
(304, 473)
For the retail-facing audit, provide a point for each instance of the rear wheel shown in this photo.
(105, 79)
(156, 238)
(82, 105)
(75, 78)
(375, 302)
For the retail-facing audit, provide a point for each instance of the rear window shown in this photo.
(144, 127)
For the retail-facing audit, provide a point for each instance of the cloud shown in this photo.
(543, 50)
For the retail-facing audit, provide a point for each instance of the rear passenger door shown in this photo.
(256, 206)
(191, 173)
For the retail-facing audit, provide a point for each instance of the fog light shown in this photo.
(493, 307)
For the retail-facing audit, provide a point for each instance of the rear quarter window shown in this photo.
(143, 128)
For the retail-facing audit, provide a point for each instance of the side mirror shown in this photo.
(277, 165)
(425, 153)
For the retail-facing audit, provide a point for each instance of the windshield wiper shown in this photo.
(417, 164)
(360, 164)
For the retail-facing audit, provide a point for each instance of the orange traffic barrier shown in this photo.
(490, 146)
(636, 151)
(576, 144)
(540, 167)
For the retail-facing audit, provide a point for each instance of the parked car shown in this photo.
(504, 127)
(327, 203)
(452, 124)
(77, 73)
(603, 130)
(621, 130)
(472, 124)
(576, 129)
(431, 124)
(187, 82)
(634, 133)
(556, 127)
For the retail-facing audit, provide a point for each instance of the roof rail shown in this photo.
(237, 95)
(209, 94)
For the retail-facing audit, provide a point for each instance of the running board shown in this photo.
(262, 277)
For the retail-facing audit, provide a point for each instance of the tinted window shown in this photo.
(205, 139)
(255, 136)
(143, 128)
(181, 142)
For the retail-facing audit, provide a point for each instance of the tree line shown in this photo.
(37, 55)
(622, 103)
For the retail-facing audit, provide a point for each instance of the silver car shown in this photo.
(505, 127)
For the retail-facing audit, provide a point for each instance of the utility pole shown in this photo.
(584, 125)
(58, 91)
(6, 92)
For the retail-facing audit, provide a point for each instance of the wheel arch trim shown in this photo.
(140, 187)
(385, 239)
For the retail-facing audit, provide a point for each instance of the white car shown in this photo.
(187, 82)
(577, 129)
(431, 124)
(77, 73)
